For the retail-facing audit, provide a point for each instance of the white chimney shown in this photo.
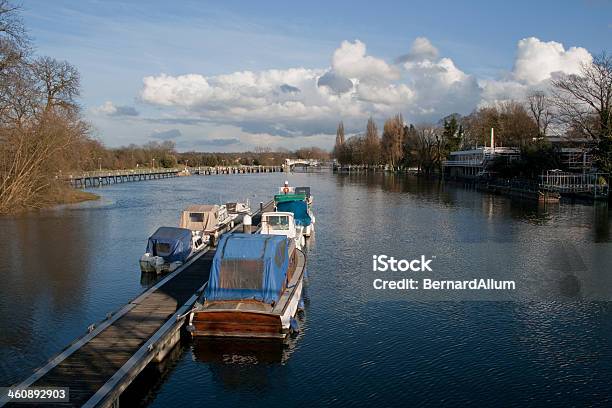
(493, 138)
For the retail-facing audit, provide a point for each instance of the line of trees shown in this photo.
(401, 145)
(579, 106)
(261, 156)
(40, 119)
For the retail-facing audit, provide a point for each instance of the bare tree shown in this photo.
(513, 125)
(372, 143)
(584, 101)
(340, 146)
(580, 97)
(429, 148)
(540, 108)
(59, 82)
(18, 97)
(14, 42)
(393, 141)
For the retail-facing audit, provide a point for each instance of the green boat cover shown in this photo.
(279, 198)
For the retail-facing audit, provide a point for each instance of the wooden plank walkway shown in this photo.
(98, 366)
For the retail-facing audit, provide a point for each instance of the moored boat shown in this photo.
(297, 200)
(297, 204)
(239, 208)
(207, 221)
(168, 248)
(254, 290)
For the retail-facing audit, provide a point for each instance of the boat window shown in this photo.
(196, 217)
(162, 248)
(278, 222)
(241, 274)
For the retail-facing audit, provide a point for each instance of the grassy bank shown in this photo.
(55, 194)
(68, 195)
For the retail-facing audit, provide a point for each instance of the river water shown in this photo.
(546, 342)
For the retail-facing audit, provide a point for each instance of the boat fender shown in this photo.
(293, 324)
(301, 304)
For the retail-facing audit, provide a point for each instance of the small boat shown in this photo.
(297, 202)
(254, 290)
(282, 223)
(207, 221)
(239, 208)
(168, 248)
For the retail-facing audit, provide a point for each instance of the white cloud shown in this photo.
(535, 64)
(350, 60)
(303, 102)
(421, 49)
(537, 60)
(108, 108)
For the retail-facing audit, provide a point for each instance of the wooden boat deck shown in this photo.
(98, 366)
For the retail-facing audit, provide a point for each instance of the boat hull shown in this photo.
(244, 324)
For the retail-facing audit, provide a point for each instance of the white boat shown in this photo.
(282, 223)
(168, 248)
(239, 208)
(225, 219)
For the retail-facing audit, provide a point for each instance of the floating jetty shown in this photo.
(98, 366)
(519, 190)
(208, 171)
(100, 178)
(107, 177)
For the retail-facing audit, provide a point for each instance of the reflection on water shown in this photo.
(43, 264)
(550, 345)
(243, 364)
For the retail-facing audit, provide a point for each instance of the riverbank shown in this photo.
(57, 194)
(69, 195)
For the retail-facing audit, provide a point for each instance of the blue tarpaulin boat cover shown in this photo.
(249, 266)
(172, 244)
(299, 208)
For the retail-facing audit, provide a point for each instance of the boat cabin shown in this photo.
(200, 217)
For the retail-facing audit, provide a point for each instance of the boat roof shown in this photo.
(203, 208)
(249, 267)
(205, 217)
(171, 233)
(177, 243)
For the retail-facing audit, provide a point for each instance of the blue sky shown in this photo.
(469, 54)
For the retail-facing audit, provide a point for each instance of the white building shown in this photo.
(472, 163)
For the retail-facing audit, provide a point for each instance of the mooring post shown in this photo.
(246, 224)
